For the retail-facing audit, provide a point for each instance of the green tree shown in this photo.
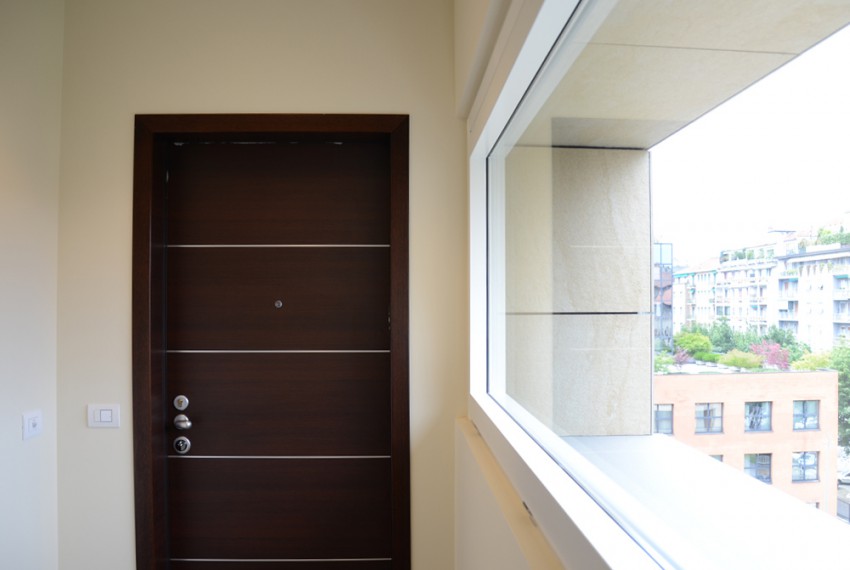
(841, 363)
(811, 361)
(692, 342)
(661, 362)
(744, 340)
(825, 236)
(696, 328)
(722, 336)
(741, 359)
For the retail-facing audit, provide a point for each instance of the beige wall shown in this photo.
(31, 64)
(494, 531)
(781, 388)
(276, 56)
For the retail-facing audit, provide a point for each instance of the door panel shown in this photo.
(279, 508)
(325, 191)
(284, 404)
(330, 298)
(270, 289)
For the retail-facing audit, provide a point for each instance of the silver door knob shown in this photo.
(182, 422)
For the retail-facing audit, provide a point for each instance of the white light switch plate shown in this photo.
(104, 415)
(32, 424)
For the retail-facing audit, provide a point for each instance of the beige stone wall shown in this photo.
(577, 245)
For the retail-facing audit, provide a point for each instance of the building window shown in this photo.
(804, 466)
(663, 418)
(709, 418)
(806, 414)
(757, 416)
(758, 465)
(717, 457)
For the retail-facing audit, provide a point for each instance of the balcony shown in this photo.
(841, 317)
(788, 316)
(841, 294)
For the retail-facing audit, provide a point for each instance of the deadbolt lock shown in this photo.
(181, 402)
(182, 445)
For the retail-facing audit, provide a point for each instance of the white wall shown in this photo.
(494, 530)
(30, 81)
(277, 56)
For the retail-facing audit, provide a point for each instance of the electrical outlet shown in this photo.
(32, 424)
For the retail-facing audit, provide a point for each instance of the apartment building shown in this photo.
(662, 294)
(814, 295)
(695, 295)
(781, 428)
(805, 291)
(743, 292)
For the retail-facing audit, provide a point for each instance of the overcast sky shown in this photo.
(777, 156)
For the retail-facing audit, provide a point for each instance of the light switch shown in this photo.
(32, 424)
(104, 415)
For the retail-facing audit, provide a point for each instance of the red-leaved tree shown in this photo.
(773, 353)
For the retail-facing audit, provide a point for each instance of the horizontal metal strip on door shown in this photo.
(282, 404)
(282, 564)
(278, 299)
(279, 457)
(281, 559)
(278, 351)
(286, 245)
(283, 510)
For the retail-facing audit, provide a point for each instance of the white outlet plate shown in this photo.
(104, 415)
(33, 424)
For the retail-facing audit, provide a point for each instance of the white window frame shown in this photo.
(582, 534)
(575, 517)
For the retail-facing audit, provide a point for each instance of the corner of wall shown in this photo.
(493, 529)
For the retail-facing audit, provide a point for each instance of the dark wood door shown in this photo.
(270, 291)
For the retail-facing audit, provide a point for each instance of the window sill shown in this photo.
(674, 506)
(581, 533)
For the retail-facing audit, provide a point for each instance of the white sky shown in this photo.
(775, 156)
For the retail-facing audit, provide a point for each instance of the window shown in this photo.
(806, 414)
(758, 465)
(717, 457)
(558, 345)
(757, 416)
(804, 466)
(663, 418)
(709, 418)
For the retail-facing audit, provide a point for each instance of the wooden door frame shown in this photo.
(153, 133)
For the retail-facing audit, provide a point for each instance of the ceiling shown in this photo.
(630, 73)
